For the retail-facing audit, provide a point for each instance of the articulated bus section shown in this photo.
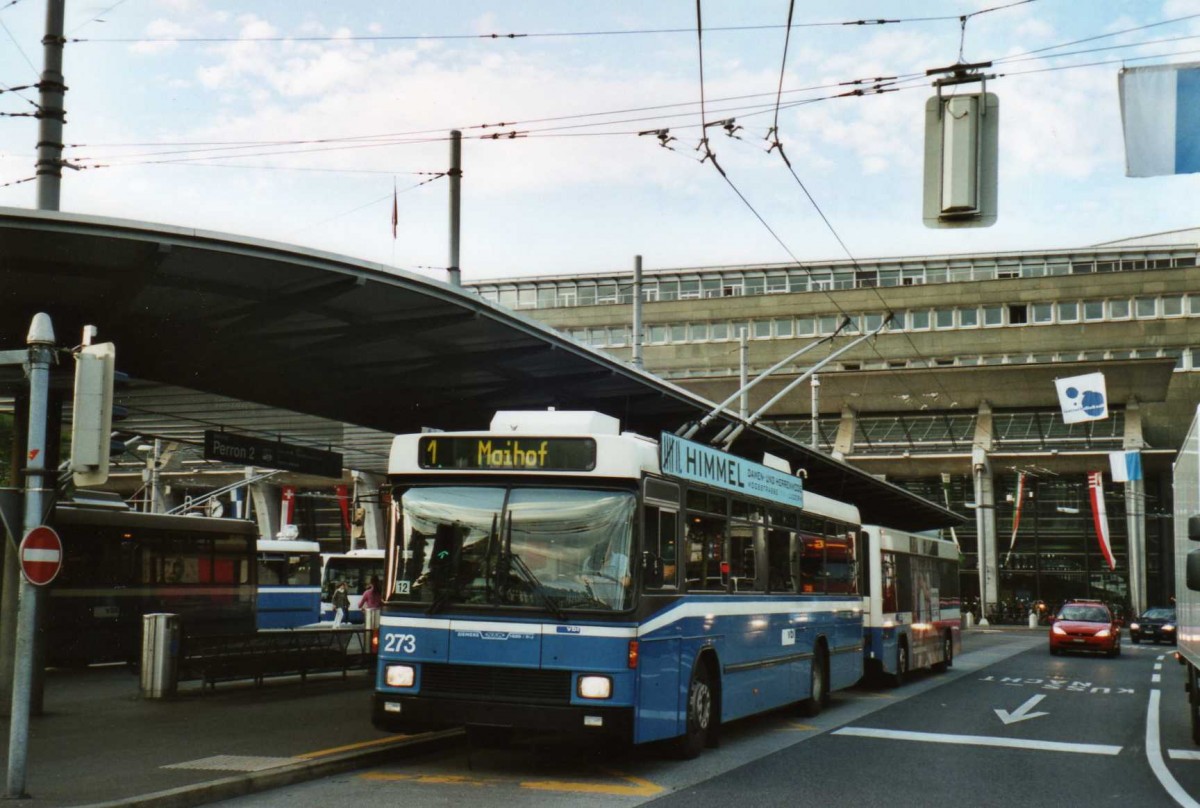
(911, 605)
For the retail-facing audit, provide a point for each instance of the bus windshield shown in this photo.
(545, 548)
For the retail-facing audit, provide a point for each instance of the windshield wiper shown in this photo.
(508, 559)
(550, 603)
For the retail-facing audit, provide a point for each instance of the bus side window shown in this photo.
(888, 577)
(812, 564)
(659, 547)
(779, 566)
(705, 545)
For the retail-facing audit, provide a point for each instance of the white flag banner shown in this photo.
(1125, 466)
(1160, 113)
(1082, 398)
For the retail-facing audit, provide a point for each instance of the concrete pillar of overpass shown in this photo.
(265, 499)
(843, 444)
(1135, 511)
(985, 511)
(366, 496)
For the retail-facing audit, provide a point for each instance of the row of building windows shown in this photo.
(736, 282)
(991, 316)
(918, 433)
(1186, 359)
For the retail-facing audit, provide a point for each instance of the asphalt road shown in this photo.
(1009, 725)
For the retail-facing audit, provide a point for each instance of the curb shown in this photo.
(302, 771)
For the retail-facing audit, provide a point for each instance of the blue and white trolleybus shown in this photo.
(289, 583)
(556, 574)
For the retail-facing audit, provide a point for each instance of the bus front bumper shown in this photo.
(395, 713)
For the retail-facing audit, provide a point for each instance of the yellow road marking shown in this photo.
(348, 747)
(433, 779)
(636, 786)
(793, 726)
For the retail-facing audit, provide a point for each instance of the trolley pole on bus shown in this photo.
(41, 354)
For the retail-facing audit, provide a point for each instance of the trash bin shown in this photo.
(160, 655)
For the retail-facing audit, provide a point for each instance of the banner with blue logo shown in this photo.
(1082, 398)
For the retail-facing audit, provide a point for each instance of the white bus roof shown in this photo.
(288, 546)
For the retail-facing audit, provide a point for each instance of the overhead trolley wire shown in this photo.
(527, 35)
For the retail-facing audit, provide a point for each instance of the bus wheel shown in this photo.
(947, 660)
(896, 679)
(699, 715)
(819, 692)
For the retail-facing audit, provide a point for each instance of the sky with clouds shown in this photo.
(293, 120)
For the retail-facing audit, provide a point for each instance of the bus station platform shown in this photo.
(99, 742)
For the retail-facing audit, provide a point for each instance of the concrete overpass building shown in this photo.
(955, 398)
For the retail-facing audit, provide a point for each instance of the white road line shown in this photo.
(1183, 754)
(979, 740)
(1154, 756)
(1157, 666)
(1156, 678)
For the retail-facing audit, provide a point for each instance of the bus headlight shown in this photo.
(595, 687)
(399, 675)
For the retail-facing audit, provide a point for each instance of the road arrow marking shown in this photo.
(1021, 713)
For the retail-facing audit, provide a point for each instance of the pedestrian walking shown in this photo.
(341, 604)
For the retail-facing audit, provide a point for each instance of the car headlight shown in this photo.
(400, 675)
(1134, 627)
(1103, 632)
(1168, 628)
(595, 687)
(1057, 629)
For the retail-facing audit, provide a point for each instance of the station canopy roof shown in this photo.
(278, 342)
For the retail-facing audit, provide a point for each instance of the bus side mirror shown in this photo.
(1193, 570)
(652, 569)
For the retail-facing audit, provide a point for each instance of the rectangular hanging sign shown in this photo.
(708, 466)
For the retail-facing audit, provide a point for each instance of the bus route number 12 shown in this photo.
(400, 644)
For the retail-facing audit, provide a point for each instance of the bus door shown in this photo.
(658, 657)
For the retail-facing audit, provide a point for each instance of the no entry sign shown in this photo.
(41, 555)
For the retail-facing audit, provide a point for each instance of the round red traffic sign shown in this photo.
(41, 555)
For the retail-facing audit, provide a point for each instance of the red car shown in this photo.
(1085, 625)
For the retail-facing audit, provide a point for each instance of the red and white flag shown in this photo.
(1100, 517)
(395, 211)
(1016, 515)
(287, 508)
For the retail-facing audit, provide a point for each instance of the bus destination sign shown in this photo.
(491, 453)
(230, 448)
(708, 466)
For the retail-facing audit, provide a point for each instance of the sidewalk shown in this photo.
(99, 742)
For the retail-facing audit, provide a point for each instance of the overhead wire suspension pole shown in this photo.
(637, 313)
(455, 175)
